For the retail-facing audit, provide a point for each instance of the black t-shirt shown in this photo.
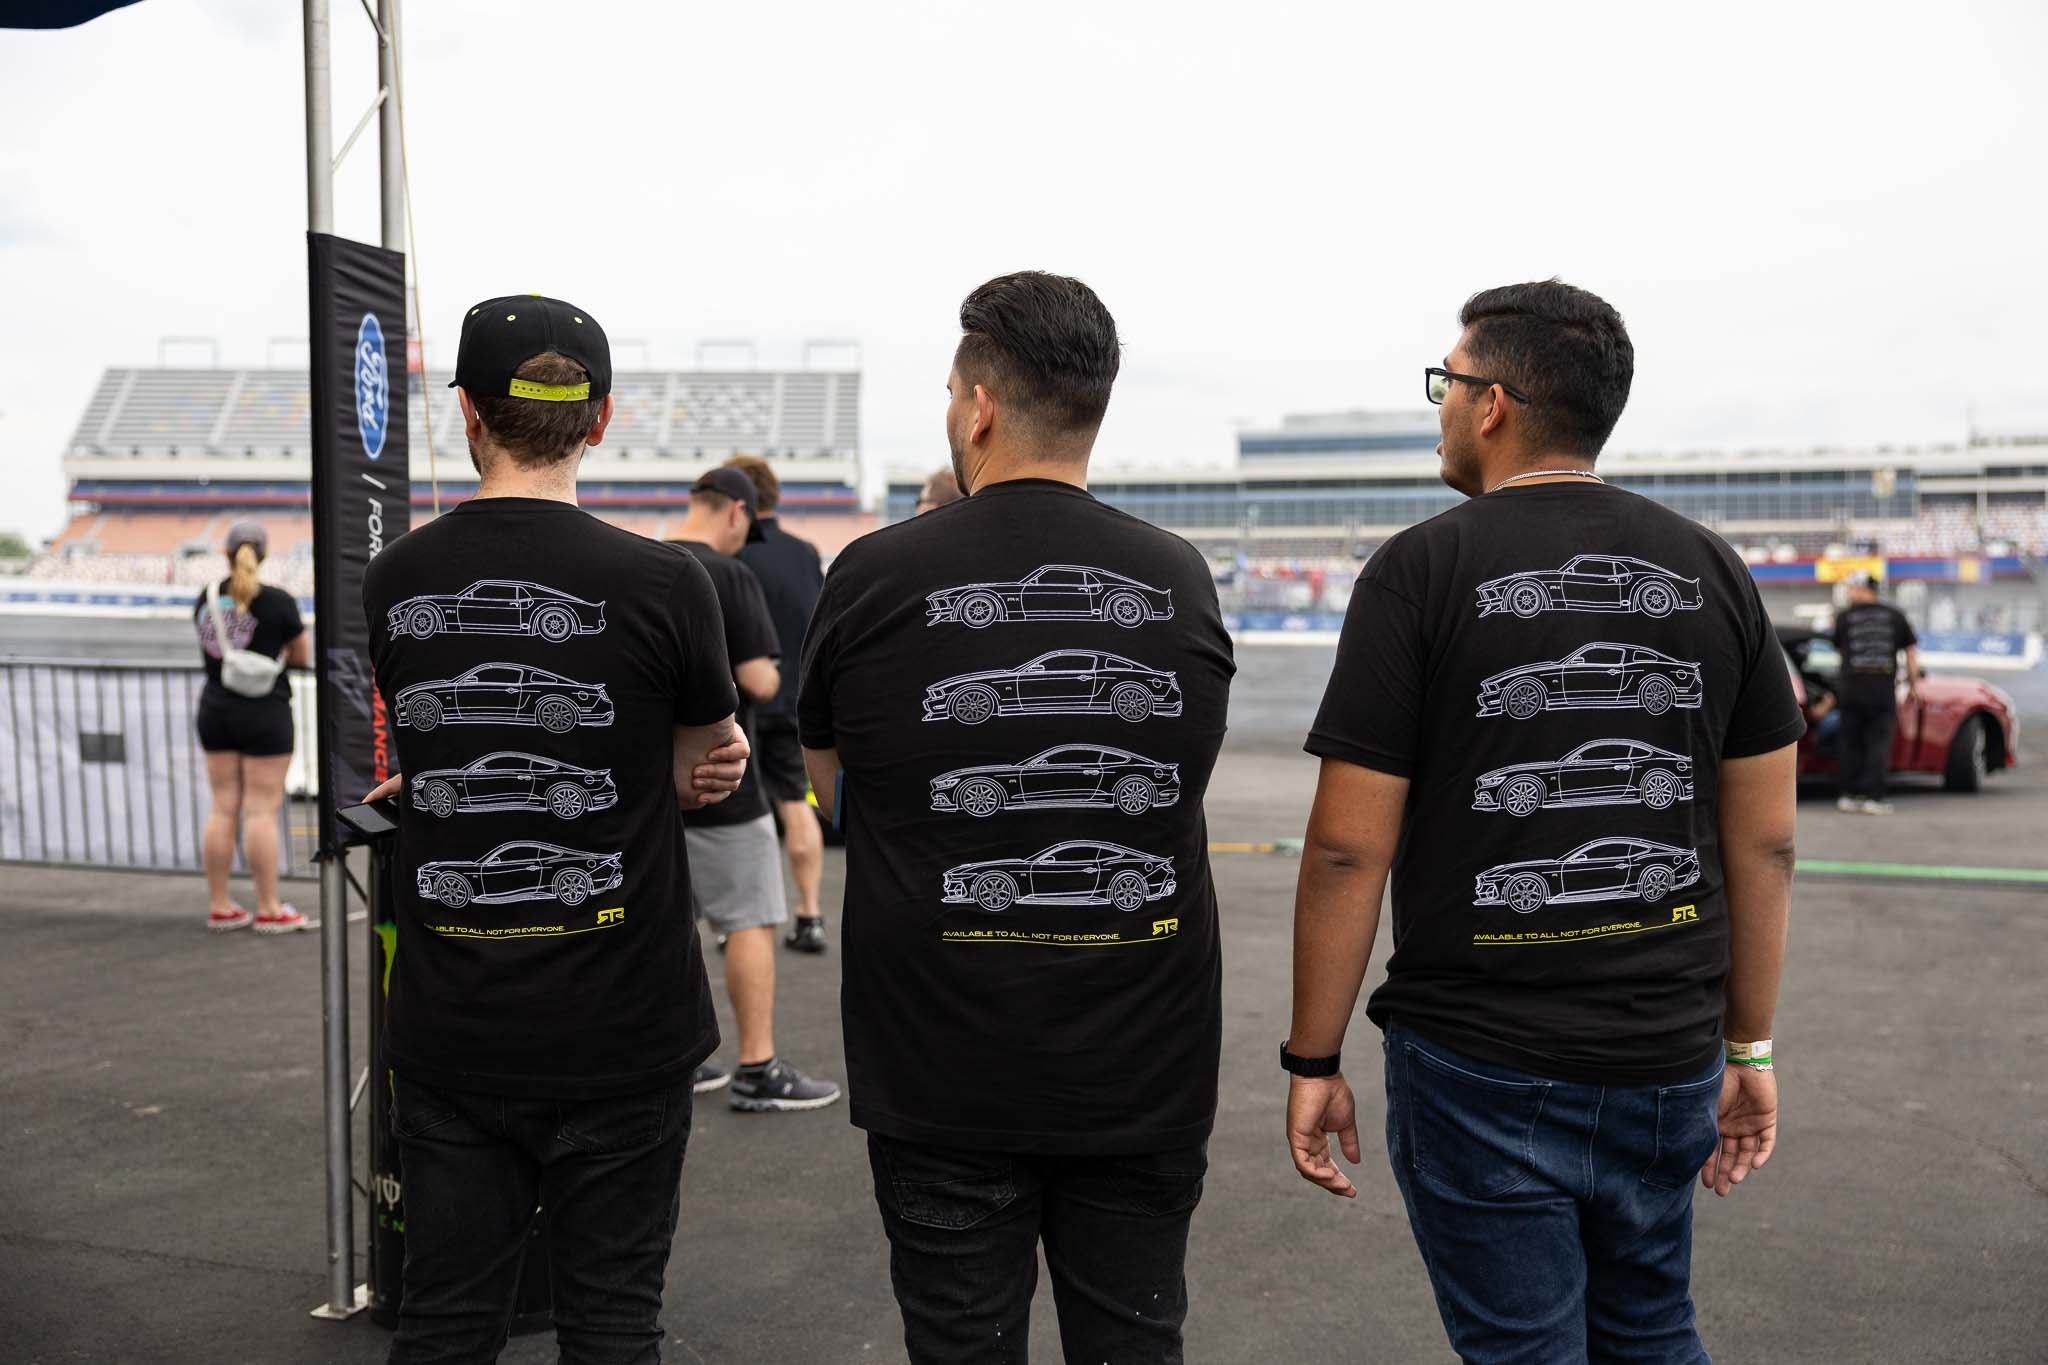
(749, 634)
(271, 622)
(533, 662)
(1559, 670)
(790, 577)
(1027, 692)
(1869, 637)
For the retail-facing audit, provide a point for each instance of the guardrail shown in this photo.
(100, 767)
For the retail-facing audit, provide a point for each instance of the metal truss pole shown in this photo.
(390, 155)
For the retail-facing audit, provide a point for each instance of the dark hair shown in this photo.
(767, 488)
(1565, 348)
(535, 431)
(1044, 344)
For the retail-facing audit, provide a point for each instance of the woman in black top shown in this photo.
(248, 740)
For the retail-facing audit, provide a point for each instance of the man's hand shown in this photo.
(721, 770)
(1749, 1127)
(390, 786)
(1316, 1107)
(708, 763)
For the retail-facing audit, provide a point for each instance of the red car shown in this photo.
(1963, 729)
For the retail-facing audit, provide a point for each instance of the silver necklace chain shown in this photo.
(1547, 474)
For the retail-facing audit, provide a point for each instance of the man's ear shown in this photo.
(604, 417)
(472, 425)
(984, 414)
(1496, 415)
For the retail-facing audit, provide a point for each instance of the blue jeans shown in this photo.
(964, 1228)
(476, 1166)
(1555, 1218)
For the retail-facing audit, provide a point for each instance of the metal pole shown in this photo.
(319, 122)
(390, 156)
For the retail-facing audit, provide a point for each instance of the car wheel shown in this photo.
(994, 891)
(566, 800)
(557, 715)
(980, 797)
(979, 609)
(554, 625)
(1527, 599)
(1523, 700)
(1127, 891)
(1655, 695)
(1523, 796)
(1655, 884)
(1660, 789)
(1654, 599)
(972, 705)
(439, 798)
(572, 886)
(1526, 892)
(1134, 795)
(1131, 702)
(422, 713)
(422, 621)
(452, 890)
(1969, 757)
(1125, 609)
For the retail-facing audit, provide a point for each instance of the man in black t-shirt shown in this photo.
(1560, 718)
(1869, 635)
(1024, 694)
(547, 1002)
(736, 870)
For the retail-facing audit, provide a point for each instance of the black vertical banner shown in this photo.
(362, 498)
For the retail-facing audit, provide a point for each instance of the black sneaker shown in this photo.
(806, 934)
(778, 1085)
(710, 1076)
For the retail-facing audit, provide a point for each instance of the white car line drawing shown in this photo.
(522, 870)
(514, 781)
(1055, 592)
(1058, 682)
(497, 606)
(1078, 872)
(1066, 775)
(1598, 676)
(505, 694)
(1593, 583)
(1601, 772)
(1602, 870)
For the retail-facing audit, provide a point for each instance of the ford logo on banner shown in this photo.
(373, 386)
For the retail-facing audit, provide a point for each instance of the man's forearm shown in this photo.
(691, 746)
(822, 767)
(1759, 912)
(1336, 918)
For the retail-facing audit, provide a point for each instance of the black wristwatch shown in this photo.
(1309, 1066)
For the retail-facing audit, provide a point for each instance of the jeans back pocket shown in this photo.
(941, 1187)
(1470, 1133)
(1688, 1130)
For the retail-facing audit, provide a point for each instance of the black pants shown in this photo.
(608, 1173)
(1866, 747)
(964, 1228)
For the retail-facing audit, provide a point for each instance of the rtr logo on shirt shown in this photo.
(1681, 913)
(616, 915)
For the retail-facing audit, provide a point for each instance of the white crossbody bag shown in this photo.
(243, 672)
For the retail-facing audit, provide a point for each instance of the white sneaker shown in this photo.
(1848, 805)
(1876, 807)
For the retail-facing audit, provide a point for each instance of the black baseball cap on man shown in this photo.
(737, 486)
(500, 335)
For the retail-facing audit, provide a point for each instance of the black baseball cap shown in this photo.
(737, 486)
(500, 335)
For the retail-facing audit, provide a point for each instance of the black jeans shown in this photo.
(1866, 748)
(964, 1228)
(608, 1172)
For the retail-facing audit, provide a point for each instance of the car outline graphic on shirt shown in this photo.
(1601, 675)
(520, 870)
(1052, 592)
(510, 780)
(1062, 777)
(1604, 869)
(504, 694)
(1621, 583)
(497, 606)
(1056, 683)
(1600, 772)
(1075, 872)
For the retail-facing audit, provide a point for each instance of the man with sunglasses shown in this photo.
(1560, 721)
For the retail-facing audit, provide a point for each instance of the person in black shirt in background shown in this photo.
(735, 868)
(1869, 636)
(1025, 695)
(790, 574)
(560, 692)
(1560, 718)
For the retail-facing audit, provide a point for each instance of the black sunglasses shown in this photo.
(1436, 383)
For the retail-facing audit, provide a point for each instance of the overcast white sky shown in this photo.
(1824, 223)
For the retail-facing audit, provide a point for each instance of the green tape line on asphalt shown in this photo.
(1926, 872)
